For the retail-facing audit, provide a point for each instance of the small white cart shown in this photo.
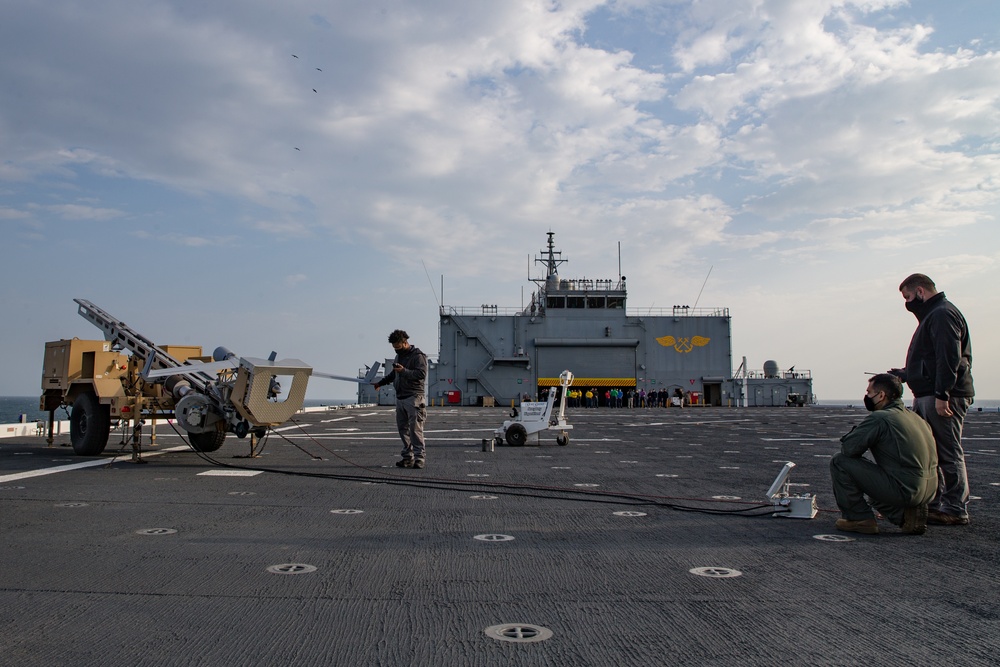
(534, 417)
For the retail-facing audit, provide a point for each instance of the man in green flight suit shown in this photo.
(901, 480)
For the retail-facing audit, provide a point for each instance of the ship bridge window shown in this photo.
(595, 302)
(616, 302)
(555, 302)
(576, 302)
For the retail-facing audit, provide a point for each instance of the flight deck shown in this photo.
(647, 540)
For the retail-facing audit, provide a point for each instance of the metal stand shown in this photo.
(136, 412)
(137, 441)
(52, 427)
(253, 448)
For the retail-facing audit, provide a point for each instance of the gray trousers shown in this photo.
(853, 479)
(410, 416)
(953, 480)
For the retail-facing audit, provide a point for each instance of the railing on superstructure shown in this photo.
(676, 311)
(588, 285)
(484, 310)
(781, 375)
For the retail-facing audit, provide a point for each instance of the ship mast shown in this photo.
(551, 258)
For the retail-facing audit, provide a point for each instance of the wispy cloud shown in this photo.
(75, 212)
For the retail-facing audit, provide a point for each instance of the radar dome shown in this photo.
(770, 369)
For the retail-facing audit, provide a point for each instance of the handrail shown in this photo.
(501, 311)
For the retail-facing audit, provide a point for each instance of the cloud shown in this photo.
(80, 212)
(288, 228)
(827, 114)
(156, 240)
(508, 116)
(12, 214)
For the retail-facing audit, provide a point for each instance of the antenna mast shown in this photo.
(551, 258)
(703, 286)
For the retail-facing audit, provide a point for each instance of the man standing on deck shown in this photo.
(903, 476)
(939, 374)
(408, 378)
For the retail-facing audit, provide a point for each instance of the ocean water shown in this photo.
(980, 403)
(12, 407)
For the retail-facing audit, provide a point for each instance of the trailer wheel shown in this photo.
(207, 442)
(89, 425)
(562, 439)
(517, 435)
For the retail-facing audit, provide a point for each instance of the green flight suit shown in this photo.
(904, 472)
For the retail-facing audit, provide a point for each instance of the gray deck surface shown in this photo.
(401, 579)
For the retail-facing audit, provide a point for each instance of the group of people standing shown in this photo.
(917, 474)
(631, 398)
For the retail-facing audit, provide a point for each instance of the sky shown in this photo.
(307, 176)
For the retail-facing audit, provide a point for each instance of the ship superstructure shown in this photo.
(491, 354)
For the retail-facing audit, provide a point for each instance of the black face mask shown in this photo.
(869, 403)
(914, 304)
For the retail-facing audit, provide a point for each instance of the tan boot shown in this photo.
(865, 526)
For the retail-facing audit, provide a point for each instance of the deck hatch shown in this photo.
(291, 568)
(518, 632)
(715, 572)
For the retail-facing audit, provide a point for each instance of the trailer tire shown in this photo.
(562, 439)
(207, 442)
(89, 425)
(517, 435)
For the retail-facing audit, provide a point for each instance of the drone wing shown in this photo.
(367, 379)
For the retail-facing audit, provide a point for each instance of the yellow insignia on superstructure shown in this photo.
(683, 345)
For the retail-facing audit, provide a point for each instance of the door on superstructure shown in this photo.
(779, 396)
(602, 366)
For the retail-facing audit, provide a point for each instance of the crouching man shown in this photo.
(903, 477)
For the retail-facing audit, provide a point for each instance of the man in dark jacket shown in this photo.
(409, 379)
(903, 476)
(939, 374)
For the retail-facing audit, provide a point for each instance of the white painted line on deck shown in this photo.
(699, 422)
(77, 466)
(394, 435)
(803, 440)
